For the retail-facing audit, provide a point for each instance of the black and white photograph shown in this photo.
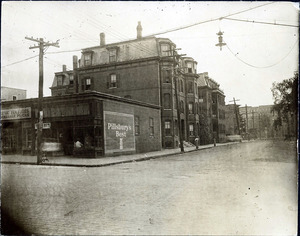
(149, 117)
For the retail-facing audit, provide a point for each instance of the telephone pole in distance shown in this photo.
(236, 115)
(41, 46)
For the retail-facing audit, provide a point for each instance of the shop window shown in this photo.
(8, 138)
(191, 108)
(151, 126)
(28, 139)
(167, 101)
(113, 55)
(165, 50)
(191, 129)
(84, 136)
(167, 128)
(137, 125)
(87, 59)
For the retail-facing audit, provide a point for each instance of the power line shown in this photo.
(75, 50)
(20, 61)
(206, 21)
(261, 22)
(262, 67)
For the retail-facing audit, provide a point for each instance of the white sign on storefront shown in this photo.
(16, 113)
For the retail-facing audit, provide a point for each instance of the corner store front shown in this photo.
(103, 124)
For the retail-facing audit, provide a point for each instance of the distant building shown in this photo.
(259, 121)
(12, 94)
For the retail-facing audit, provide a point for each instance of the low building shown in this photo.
(12, 94)
(103, 124)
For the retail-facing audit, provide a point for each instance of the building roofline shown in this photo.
(89, 94)
(119, 63)
(114, 44)
(13, 88)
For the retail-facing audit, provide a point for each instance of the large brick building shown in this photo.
(145, 69)
(212, 107)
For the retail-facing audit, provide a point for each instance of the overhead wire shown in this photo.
(261, 22)
(142, 47)
(206, 21)
(26, 59)
(261, 67)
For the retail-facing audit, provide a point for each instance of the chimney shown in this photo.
(75, 73)
(102, 39)
(139, 30)
(75, 65)
(64, 68)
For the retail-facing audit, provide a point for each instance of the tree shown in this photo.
(205, 130)
(285, 95)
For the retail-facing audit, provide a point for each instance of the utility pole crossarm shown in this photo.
(41, 46)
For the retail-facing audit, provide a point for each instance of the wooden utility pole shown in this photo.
(253, 119)
(173, 51)
(236, 115)
(246, 118)
(177, 102)
(41, 46)
(247, 128)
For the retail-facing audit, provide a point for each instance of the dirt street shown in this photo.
(241, 189)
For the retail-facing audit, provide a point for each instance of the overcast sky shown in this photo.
(256, 56)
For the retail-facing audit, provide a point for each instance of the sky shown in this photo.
(256, 55)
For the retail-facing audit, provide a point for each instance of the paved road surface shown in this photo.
(242, 189)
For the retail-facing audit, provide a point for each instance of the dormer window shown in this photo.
(113, 55)
(189, 67)
(71, 79)
(88, 59)
(165, 49)
(59, 80)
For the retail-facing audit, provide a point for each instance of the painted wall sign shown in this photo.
(118, 132)
(16, 113)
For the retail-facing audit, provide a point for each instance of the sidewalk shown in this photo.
(99, 162)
